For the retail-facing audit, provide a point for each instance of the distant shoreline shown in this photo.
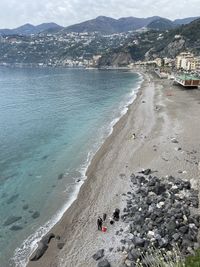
(31, 65)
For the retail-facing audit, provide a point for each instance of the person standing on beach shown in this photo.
(99, 223)
(104, 217)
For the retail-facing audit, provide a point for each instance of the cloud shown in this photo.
(14, 13)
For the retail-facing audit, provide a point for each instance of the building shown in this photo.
(186, 61)
(188, 81)
(159, 62)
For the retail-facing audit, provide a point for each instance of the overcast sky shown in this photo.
(15, 13)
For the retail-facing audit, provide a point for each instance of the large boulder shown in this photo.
(103, 263)
(47, 238)
(41, 249)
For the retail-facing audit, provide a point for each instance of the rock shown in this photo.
(184, 229)
(139, 242)
(11, 220)
(35, 215)
(39, 252)
(146, 172)
(163, 242)
(128, 263)
(173, 140)
(45, 157)
(12, 199)
(140, 179)
(134, 255)
(25, 207)
(60, 176)
(98, 255)
(176, 236)
(187, 185)
(47, 238)
(60, 245)
(16, 228)
(104, 263)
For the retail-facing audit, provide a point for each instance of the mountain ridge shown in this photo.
(28, 29)
(101, 24)
(109, 25)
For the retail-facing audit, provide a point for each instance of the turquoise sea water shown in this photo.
(52, 121)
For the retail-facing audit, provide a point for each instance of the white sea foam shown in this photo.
(22, 254)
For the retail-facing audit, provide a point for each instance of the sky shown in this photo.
(14, 13)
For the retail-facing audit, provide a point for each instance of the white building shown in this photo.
(186, 61)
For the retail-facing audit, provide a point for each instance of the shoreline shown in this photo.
(97, 155)
(34, 238)
(153, 117)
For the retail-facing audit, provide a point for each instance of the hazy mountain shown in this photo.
(102, 24)
(109, 25)
(161, 24)
(185, 21)
(29, 29)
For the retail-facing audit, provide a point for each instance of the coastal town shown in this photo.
(53, 50)
(97, 50)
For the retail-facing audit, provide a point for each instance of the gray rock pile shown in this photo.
(160, 216)
(159, 213)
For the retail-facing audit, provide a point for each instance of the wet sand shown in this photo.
(160, 113)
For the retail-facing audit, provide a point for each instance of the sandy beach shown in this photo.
(160, 113)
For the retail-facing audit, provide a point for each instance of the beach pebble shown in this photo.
(98, 255)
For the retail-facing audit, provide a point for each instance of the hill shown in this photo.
(28, 29)
(101, 24)
(107, 25)
(152, 44)
(185, 21)
(161, 24)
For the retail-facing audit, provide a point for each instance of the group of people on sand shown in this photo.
(115, 217)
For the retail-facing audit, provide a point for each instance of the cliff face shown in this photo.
(117, 59)
(174, 48)
(171, 50)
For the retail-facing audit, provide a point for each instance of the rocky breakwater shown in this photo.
(160, 215)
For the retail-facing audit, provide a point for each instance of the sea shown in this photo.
(52, 121)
